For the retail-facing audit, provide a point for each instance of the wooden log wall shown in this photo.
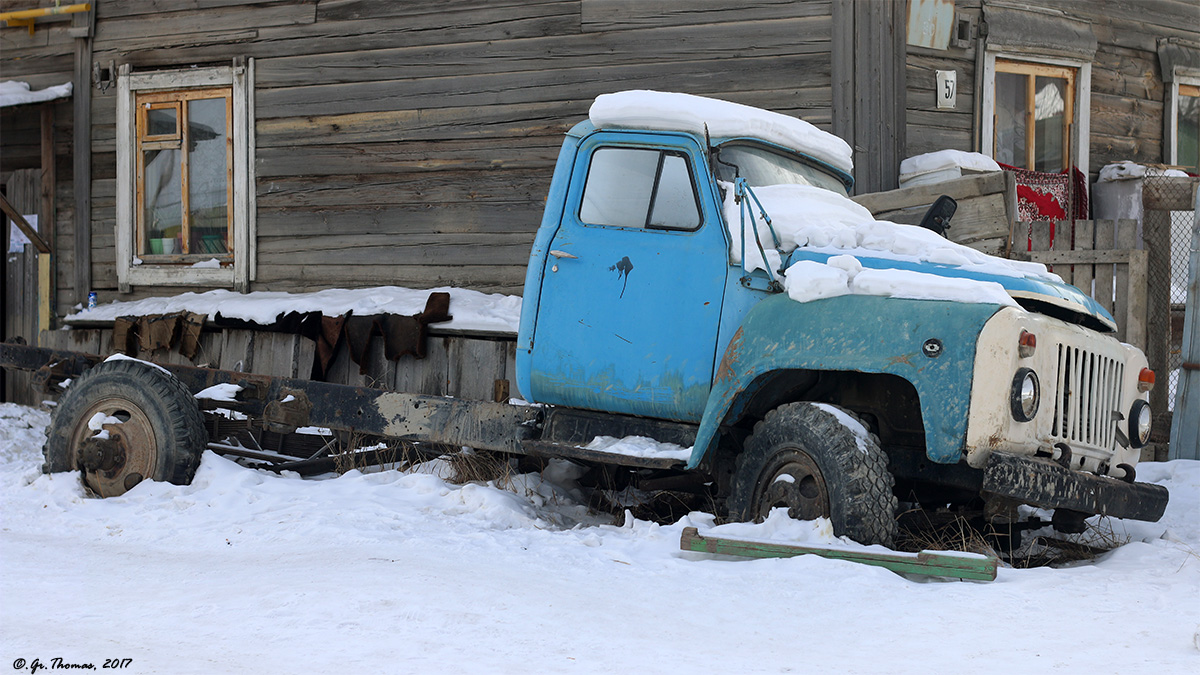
(1127, 87)
(413, 143)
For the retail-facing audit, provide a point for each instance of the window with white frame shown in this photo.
(1183, 143)
(1035, 112)
(185, 203)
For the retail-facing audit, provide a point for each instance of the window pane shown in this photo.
(1011, 106)
(1049, 116)
(162, 122)
(208, 176)
(618, 187)
(675, 202)
(163, 213)
(1187, 134)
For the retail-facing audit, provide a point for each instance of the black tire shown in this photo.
(161, 435)
(802, 457)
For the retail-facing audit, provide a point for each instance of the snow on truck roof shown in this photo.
(667, 111)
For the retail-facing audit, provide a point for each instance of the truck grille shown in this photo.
(1087, 394)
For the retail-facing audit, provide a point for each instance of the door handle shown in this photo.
(563, 254)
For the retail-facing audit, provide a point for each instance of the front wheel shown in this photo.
(123, 422)
(810, 459)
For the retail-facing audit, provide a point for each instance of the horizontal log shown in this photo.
(424, 218)
(616, 15)
(296, 277)
(112, 9)
(551, 118)
(532, 20)
(349, 10)
(520, 152)
(237, 17)
(441, 187)
(547, 118)
(1126, 117)
(660, 45)
(538, 86)
(406, 249)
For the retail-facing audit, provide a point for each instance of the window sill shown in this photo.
(180, 275)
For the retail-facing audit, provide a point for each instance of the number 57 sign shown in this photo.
(947, 88)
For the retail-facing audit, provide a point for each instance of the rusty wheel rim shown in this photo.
(794, 482)
(112, 466)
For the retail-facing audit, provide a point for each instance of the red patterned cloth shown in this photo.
(1050, 196)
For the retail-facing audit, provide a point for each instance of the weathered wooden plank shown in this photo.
(790, 37)
(616, 15)
(1084, 241)
(1064, 235)
(1126, 116)
(923, 195)
(494, 278)
(430, 375)
(112, 9)
(433, 28)
(699, 75)
(522, 152)
(491, 121)
(474, 366)
(545, 118)
(227, 40)
(925, 563)
(236, 17)
(442, 187)
(1104, 238)
(237, 350)
(400, 250)
(349, 10)
(1039, 235)
(418, 218)
(977, 219)
(921, 140)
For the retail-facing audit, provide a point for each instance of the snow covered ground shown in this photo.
(246, 571)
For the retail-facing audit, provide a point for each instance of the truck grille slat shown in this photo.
(1087, 393)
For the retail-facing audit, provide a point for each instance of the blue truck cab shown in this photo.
(637, 308)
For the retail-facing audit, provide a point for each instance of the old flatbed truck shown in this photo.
(636, 322)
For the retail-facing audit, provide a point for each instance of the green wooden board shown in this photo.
(926, 563)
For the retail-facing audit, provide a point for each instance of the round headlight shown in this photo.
(1140, 423)
(1025, 395)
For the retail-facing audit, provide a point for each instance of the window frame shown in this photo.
(1183, 77)
(157, 270)
(178, 99)
(1079, 143)
(663, 153)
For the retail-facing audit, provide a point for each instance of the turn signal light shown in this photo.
(1145, 380)
(1026, 344)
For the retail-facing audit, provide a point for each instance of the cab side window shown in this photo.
(640, 188)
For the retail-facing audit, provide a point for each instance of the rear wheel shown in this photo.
(123, 422)
(807, 458)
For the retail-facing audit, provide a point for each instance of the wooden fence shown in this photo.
(1102, 259)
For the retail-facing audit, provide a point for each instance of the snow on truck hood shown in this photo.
(666, 111)
(834, 246)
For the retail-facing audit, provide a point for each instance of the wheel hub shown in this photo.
(105, 455)
(798, 486)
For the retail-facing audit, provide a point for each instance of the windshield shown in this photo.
(760, 166)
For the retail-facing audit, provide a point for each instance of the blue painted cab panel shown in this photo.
(629, 324)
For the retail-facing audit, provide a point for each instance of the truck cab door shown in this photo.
(631, 298)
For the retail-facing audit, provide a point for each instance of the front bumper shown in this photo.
(1043, 483)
